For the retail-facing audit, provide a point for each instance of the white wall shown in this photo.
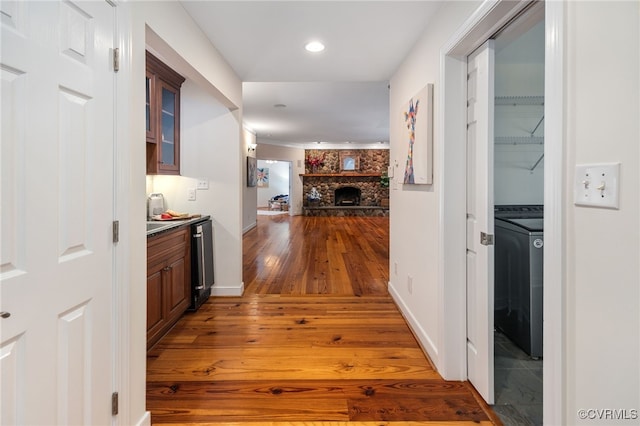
(603, 246)
(601, 257)
(415, 208)
(296, 157)
(278, 181)
(519, 71)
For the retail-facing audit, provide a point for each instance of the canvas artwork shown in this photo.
(418, 122)
(263, 177)
(252, 166)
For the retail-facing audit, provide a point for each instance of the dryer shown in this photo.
(519, 248)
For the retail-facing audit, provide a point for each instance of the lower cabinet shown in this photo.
(168, 281)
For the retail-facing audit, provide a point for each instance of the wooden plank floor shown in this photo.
(315, 340)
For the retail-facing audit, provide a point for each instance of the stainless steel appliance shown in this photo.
(519, 242)
(519, 211)
(201, 262)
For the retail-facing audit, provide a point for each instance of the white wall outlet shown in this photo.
(410, 283)
(191, 194)
(203, 184)
(597, 185)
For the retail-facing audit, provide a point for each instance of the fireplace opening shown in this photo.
(347, 196)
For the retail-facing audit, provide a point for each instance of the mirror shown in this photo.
(349, 161)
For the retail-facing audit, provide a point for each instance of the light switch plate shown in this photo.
(597, 185)
(191, 194)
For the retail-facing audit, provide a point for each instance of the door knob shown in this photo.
(5, 314)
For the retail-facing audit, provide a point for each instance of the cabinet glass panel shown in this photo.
(168, 102)
(168, 126)
(148, 111)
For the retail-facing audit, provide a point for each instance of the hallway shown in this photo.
(315, 338)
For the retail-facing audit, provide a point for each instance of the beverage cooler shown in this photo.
(201, 263)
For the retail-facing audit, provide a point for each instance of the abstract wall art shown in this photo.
(252, 177)
(263, 177)
(417, 124)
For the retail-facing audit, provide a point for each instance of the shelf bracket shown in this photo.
(537, 162)
(537, 125)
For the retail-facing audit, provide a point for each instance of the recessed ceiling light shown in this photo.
(314, 46)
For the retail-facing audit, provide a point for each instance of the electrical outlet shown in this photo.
(410, 284)
(203, 184)
(191, 194)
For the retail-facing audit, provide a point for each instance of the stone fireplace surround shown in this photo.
(328, 178)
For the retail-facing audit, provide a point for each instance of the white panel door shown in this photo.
(480, 268)
(56, 213)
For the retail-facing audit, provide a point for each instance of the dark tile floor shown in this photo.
(518, 384)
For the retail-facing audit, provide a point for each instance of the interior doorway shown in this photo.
(519, 212)
(274, 186)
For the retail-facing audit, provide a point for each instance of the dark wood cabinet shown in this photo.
(168, 281)
(162, 117)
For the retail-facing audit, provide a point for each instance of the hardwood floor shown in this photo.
(317, 255)
(315, 340)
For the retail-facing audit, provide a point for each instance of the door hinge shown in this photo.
(486, 239)
(114, 404)
(116, 59)
(116, 231)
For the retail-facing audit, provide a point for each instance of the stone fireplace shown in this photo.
(347, 196)
(346, 192)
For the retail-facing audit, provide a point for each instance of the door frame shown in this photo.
(483, 23)
(128, 338)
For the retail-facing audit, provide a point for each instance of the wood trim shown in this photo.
(162, 77)
(167, 74)
(340, 174)
(555, 182)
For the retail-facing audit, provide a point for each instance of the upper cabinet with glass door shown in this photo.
(162, 117)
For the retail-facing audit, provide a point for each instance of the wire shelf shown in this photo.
(519, 140)
(519, 100)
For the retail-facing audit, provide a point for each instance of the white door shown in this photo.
(56, 270)
(480, 101)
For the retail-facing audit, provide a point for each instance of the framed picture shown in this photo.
(263, 177)
(349, 161)
(417, 124)
(252, 170)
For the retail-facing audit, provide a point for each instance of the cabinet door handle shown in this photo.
(4, 314)
(166, 269)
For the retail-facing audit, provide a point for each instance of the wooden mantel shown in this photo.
(340, 174)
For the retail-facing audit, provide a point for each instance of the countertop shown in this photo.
(156, 227)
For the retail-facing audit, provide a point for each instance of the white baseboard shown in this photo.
(223, 291)
(426, 343)
(145, 420)
(249, 227)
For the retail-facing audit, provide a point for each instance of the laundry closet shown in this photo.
(519, 210)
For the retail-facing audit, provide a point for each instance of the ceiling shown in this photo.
(296, 98)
